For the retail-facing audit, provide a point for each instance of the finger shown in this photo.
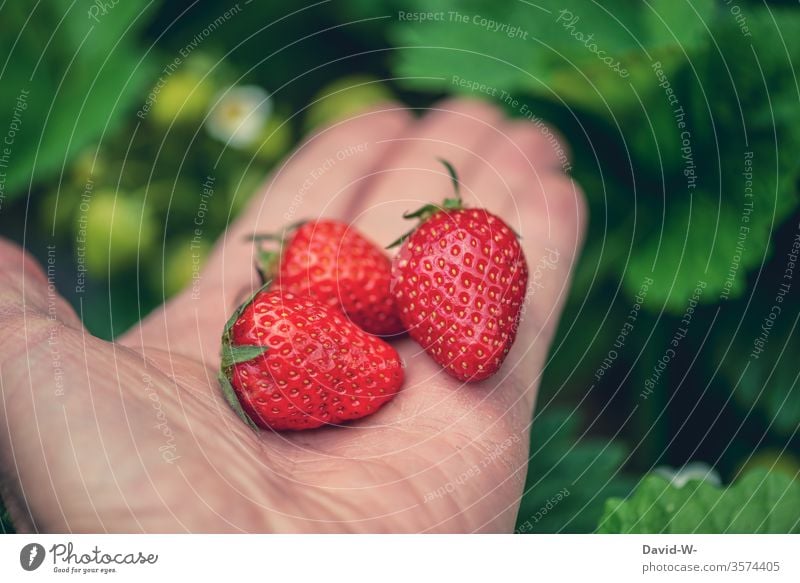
(324, 177)
(454, 130)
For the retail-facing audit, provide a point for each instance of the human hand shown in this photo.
(135, 436)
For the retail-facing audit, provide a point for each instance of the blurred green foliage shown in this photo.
(6, 527)
(569, 475)
(759, 502)
(683, 136)
(78, 80)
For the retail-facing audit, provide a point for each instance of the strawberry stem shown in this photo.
(267, 264)
(258, 237)
(453, 178)
(267, 259)
(427, 211)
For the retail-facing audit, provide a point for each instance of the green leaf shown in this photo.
(591, 54)
(67, 82)
(760, 502)
(760, 365)
(233, 400)
(422, 212)
(265, 237)
(742, 132)
(695, 249)
(242, 353)
(569, 476)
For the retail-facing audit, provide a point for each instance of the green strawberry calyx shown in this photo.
(234, 354)
(267, 259)
(427, 211)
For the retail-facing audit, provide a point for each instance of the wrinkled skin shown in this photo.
(134, 436)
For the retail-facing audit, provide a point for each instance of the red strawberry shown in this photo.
(290, 362)
(339, 267)
(459, 281)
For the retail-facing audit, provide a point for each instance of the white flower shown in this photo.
(239, 115)
(691, 471)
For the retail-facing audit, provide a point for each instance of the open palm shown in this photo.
(135, 436)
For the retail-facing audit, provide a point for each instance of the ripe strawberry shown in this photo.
(290, 362)
(335, 264)
(459, 281)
